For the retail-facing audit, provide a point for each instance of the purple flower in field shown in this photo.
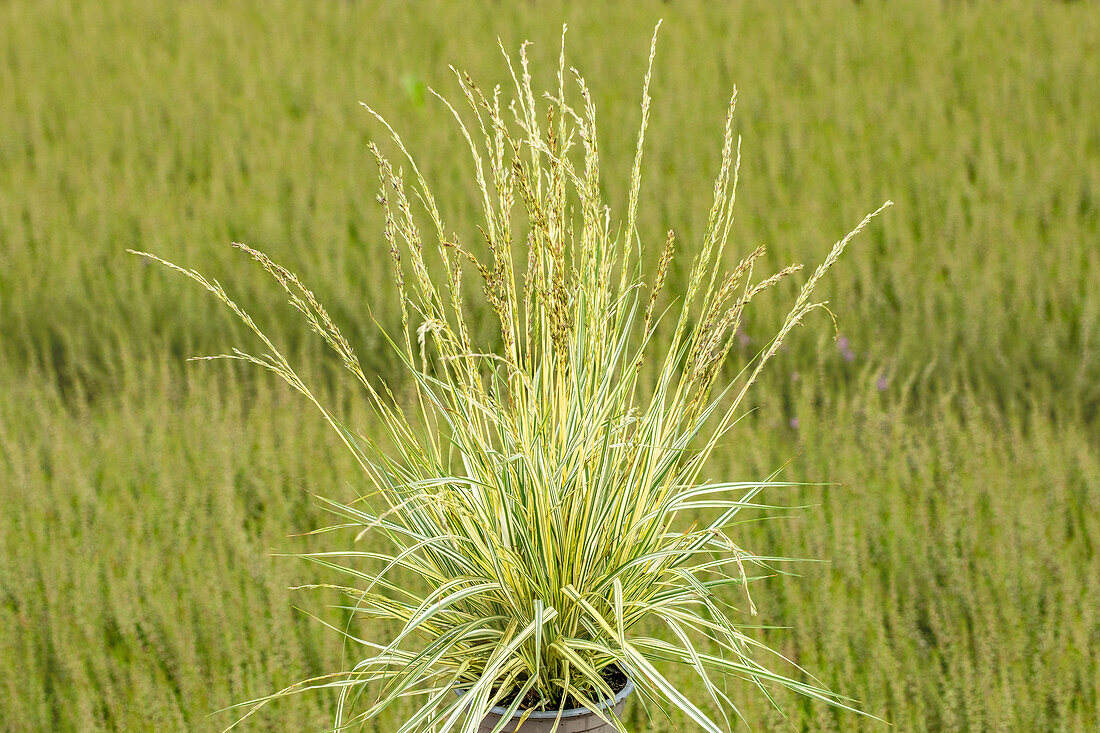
(744, 338)
(882, 383)
(795, 376)
(844, 346)
(793, 423)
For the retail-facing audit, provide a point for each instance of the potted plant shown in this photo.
(546, 491)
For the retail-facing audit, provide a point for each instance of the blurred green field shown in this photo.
(142, 495)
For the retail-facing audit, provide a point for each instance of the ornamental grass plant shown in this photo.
(547, 484)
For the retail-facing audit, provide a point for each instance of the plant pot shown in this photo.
(577, 720)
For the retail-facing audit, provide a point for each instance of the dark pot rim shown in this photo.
(571, 712)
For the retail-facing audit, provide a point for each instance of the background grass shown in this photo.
(142, 495)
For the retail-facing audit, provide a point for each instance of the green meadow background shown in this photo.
(143, 497)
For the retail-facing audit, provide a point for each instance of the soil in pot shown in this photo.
(574, 719)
